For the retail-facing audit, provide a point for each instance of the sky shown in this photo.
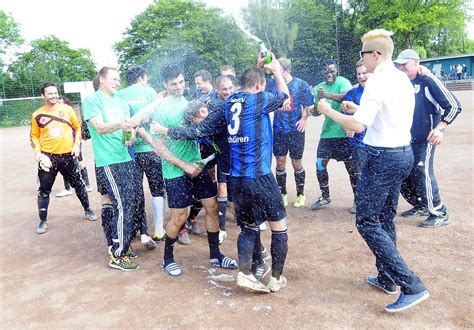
(91, 24)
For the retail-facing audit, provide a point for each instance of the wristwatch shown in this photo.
(441, 129)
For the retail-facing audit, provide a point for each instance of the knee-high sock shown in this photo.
(245, 248)
(222, 201)
(213, 240)
(195, 209)
(107, 214)
(257, 251)
(43, 203)
(300, 176)
(279, 249)
(169, 247)
(281, 180)
(158, 208)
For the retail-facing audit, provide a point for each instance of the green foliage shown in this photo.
(50, 59)
(9, 32)
(186, 33)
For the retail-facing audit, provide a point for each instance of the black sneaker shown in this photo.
(415, 212)
(435, 221)
(320, 203)
(388, 289)
(89, 215)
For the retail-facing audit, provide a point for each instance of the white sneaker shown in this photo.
(249, 282)
(222, 236)
(263, 226)
(64, 193)
(147, 241)
(275, 285)
(88, 188)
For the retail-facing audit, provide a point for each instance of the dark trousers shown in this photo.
(420, 188)
(119, 183)
(68, 166)
(377, 199)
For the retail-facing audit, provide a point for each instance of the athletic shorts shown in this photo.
(335, 148)
(256, 200)
(292, 142)
(180, 190)
(150, 164)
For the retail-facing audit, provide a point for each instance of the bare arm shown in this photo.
(106, 128)
(347, 122)
(162, 151)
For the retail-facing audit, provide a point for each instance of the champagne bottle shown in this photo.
(264, 53)
(203, 162)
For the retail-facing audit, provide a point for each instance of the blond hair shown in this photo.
(379, 40)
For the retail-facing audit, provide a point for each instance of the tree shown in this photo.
(9, 34)
(50, 59)
(187, 33)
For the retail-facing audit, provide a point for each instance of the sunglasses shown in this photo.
(363, 52)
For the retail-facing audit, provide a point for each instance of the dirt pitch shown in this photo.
(61, 279)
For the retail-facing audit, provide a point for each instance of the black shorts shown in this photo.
(291, 141)
(256, 200)
(150, 164)
(335, 148)
(181, 190)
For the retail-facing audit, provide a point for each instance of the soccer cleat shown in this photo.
(265, 254)
(147, 241)
(130, 253)
(320, 203)
(42, 227)
(64, 193)
(415, 212)
(250, 283)
(275, 285)
(435, 221)
(262, 272)
(89, 215)
(299, 202)
(284, 197)
(183, 237)
(406, 301)
(222, 236)
(263, 226)
(193, 227)
(388, 289)
(225, 262)
(172, 269)
(354, 208)
(88, 188)
(158, 238)
(123, 263)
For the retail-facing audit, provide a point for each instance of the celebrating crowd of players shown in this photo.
(165, 136)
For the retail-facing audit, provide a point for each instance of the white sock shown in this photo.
(158, 208)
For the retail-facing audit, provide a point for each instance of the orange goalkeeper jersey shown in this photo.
(55, 130)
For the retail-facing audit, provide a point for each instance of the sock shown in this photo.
(195, 209)
(158, 208)
(279, 249)
(245, 248)
(300, 176)
(214, 251)
(43, 203)
(107, 214)
(281, 180)
(169, 247)
(222, 201)
(257, 252)
(85, 176)
(323, 177)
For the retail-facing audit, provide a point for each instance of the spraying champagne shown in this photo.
(203, 162)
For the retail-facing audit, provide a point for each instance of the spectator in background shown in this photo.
(464, 71)
(459, 71)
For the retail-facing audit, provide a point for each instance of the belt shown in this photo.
(378, 150)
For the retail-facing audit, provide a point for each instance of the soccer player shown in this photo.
(289, 131)
(138, 95)
(420, 188)
(253, 187)
(56, 150)
(183, 178)
(107, 117)
(333, 143)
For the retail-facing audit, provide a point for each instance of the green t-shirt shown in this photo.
(108, 148)
(330, 128)
(137, 98)
(171, 114)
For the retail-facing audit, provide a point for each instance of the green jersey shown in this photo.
(330, 128)
(108, 148)
(137, 98)
(171, 114)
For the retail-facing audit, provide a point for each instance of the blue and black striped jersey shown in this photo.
(354, 95)
(301, 97)
(430, 97)
(250, 133)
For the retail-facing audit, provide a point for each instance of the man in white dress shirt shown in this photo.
(386, 111)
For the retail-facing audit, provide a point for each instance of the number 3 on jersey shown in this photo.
(233, 127)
